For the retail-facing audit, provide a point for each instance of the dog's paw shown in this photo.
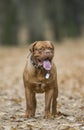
(48, 115)
(29, 115)
(58, 114)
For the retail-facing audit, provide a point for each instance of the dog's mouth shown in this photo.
(46, 63)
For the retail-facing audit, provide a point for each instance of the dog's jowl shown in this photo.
(40, 76)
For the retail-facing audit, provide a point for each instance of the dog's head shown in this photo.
(42, 53)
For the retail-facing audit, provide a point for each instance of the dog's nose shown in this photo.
(47, 52)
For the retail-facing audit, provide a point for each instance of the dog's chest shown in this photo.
(41, 82)
(40, 87)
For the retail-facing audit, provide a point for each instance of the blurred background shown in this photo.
(25, 21)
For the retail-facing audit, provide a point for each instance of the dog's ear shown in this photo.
(51, 44)
(31, 47)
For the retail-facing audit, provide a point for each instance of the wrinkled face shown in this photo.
(43, 52)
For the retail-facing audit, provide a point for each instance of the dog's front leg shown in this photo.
(48, 98)
(54, 101)
(30, 102)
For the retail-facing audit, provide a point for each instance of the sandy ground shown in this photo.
(69, 60)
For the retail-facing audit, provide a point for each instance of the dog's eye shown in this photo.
(35, 49)
(41, 49)
(50, 48)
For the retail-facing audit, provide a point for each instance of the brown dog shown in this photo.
(40, 76)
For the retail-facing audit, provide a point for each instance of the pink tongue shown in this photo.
(47, 65)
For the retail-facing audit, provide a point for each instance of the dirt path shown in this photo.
(70, 67)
